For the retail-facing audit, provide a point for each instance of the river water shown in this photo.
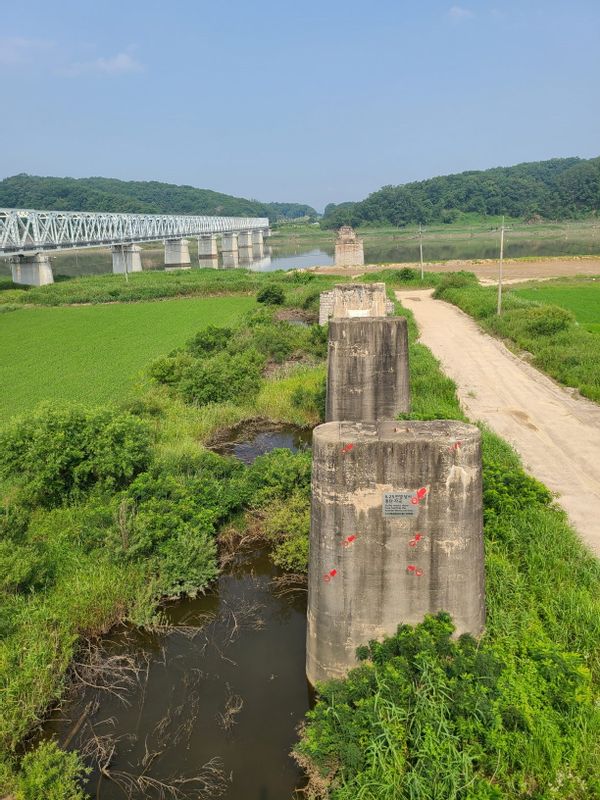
(301, 252)
(220, 691)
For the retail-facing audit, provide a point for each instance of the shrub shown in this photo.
(52, 774)
(429, 716)
(271, 295)
(547, 320)
(455, 280)
(277, 475)
(223, 377)
(170, 370)
(287, 525)
(210, 340)
(312, 400)
(59, 454)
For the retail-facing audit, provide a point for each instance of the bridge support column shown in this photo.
(367, 369)
(32, 270)
(126, 258)
(207, 246)
(229, 243)
(177, 253)
(245, 239)
(258, 247)
(396, 533)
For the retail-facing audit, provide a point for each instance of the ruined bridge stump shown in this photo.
(367, 369)
(396, 533)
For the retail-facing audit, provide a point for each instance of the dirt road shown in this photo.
(556, 434)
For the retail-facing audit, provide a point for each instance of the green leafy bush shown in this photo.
(49, 773)
(548, 320)
(429, 717)
(312, 399)
(277, 475)
(210, 340)
(171, 370)
(271, 295)
(223, 377)
(286, 523)
(57, 454)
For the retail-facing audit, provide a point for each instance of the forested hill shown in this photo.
(556, 189)
(149, 197)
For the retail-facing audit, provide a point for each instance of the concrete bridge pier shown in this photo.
(229, 251)
(396, 533)
(258, 247)
(207, 246)
(32, 270)
(126, 258)
(246, 252)
(177, 254)
(367, 369)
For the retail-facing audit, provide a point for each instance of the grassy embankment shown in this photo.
(513, 717)
(134, 523)
(547, 327)
(107, 510)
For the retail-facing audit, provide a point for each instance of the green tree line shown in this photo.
(561, 188)
(144, 197)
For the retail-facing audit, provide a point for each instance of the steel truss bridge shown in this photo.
(25, 232)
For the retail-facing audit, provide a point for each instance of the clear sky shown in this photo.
(310, 101)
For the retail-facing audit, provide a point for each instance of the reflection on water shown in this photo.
(300, 252)
(249, 444)
(218, 698)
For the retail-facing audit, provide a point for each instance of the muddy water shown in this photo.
(260, 441)
(220, 694)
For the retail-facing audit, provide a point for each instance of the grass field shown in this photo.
(582, 298)
(92, 354)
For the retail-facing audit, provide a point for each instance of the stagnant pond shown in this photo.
(215, 697)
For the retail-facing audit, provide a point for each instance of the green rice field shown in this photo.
(582, 298)
(95, 354)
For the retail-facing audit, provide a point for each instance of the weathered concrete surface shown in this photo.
(349, 250)
(32, 270)
(207, 246)
(555, 431)
(177, 253)
(369, 572)
(229, 243)
(245, 239)
(367, 369)
(126, 258)
(354, 300)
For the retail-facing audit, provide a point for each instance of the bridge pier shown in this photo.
(207, 246)
(258, 247)
(32, 270)
(396, 533)
(367, 369)
(229, 243)
(126, 258)
(177, 253)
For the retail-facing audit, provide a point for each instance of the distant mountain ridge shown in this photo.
(560, 188)
(145, 197)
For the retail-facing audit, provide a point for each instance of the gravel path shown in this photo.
(556, 433)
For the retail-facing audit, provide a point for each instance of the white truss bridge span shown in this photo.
(27, 232)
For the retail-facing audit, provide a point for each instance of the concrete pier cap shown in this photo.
(367, 369)
(396, 533)
(354, 300)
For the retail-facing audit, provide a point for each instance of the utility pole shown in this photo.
(124, 257)
(421, 247)
(500, 267)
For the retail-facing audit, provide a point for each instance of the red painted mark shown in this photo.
(349, 539)
(347, 447)
(456, 446)
(418, 496)
(331, 574)
(411, 568)
(418, 572)
(417, 538)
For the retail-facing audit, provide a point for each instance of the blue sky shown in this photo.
(307, 101)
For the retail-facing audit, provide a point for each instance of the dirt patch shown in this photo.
(298, 316)
(515, 270)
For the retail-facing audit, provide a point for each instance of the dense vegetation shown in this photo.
(430, 718)
(145, 197)
(559, 346)
(560, 188)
